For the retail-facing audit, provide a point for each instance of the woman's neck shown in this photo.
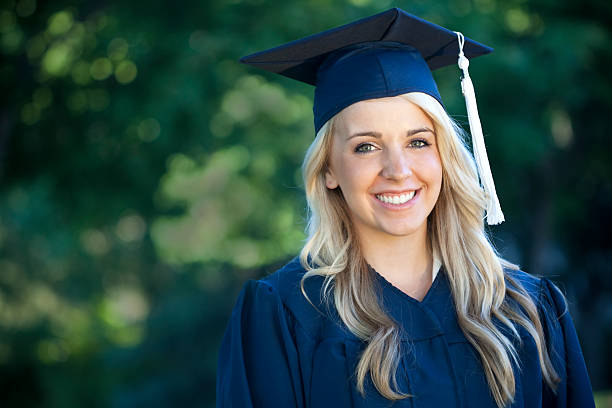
(405, 261)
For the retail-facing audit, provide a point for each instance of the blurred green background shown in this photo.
(145, 175)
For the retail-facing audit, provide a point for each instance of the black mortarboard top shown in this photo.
(388, 54)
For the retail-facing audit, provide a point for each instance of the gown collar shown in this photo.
(435, 315)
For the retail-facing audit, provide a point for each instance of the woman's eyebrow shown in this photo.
(378, 135)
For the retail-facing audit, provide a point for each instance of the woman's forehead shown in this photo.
(382, 114)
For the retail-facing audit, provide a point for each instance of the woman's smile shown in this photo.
(397, 201)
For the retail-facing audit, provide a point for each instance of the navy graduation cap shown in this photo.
(388, 54)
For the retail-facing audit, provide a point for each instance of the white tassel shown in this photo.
(494, 212)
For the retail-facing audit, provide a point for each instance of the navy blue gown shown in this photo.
(278, 351)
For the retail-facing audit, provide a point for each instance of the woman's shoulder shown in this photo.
(549, 299)
(561, 340)
(285, 278)
(286, 281)
(533, 284)
(285, 285)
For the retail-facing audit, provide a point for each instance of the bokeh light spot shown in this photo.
(94, 242)
(11, 41)
(42, 97)
(128, 336)
(126, 72)
(237, 106)
(221, 125)
(30, 114)
(80, 73)
(101, 69)
(77, 101)
(485, 6)
(117, 49)
(131, 228)
(60, 22)
(517, 20)
(25, 8)
(7, 21)
(561, 128)
(128, 304)
(101, 21)
(360, 3)
(245, 253)
(148, 129)
(264, 164)
(36, 46)
(99, 99)
(57, 59)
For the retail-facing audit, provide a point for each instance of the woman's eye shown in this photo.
(364, 148)
(368, 147)
(418, 143)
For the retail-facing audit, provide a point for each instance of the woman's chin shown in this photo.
(402, 229)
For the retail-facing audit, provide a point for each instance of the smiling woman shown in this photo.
(384, 159)
(397, 295)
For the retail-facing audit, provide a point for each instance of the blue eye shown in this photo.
(361, 148)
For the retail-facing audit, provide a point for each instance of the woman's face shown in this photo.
(385, 159)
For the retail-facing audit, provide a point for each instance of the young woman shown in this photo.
(397, 297)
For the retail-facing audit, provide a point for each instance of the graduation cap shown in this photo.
(388, 54)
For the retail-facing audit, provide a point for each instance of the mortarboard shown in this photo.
(388, 54)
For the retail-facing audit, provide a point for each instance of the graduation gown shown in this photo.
(278, 351)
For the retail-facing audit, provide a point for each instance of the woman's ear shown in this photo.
(330, 179)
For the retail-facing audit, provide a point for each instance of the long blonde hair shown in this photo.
(456, 231)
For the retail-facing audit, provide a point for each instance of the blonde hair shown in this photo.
(456, 231)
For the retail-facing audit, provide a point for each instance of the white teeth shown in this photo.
(396, 199)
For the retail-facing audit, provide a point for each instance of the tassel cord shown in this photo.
(494, 212)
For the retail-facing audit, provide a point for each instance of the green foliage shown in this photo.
(145, 174)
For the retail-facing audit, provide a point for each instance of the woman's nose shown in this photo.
(397, 165)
